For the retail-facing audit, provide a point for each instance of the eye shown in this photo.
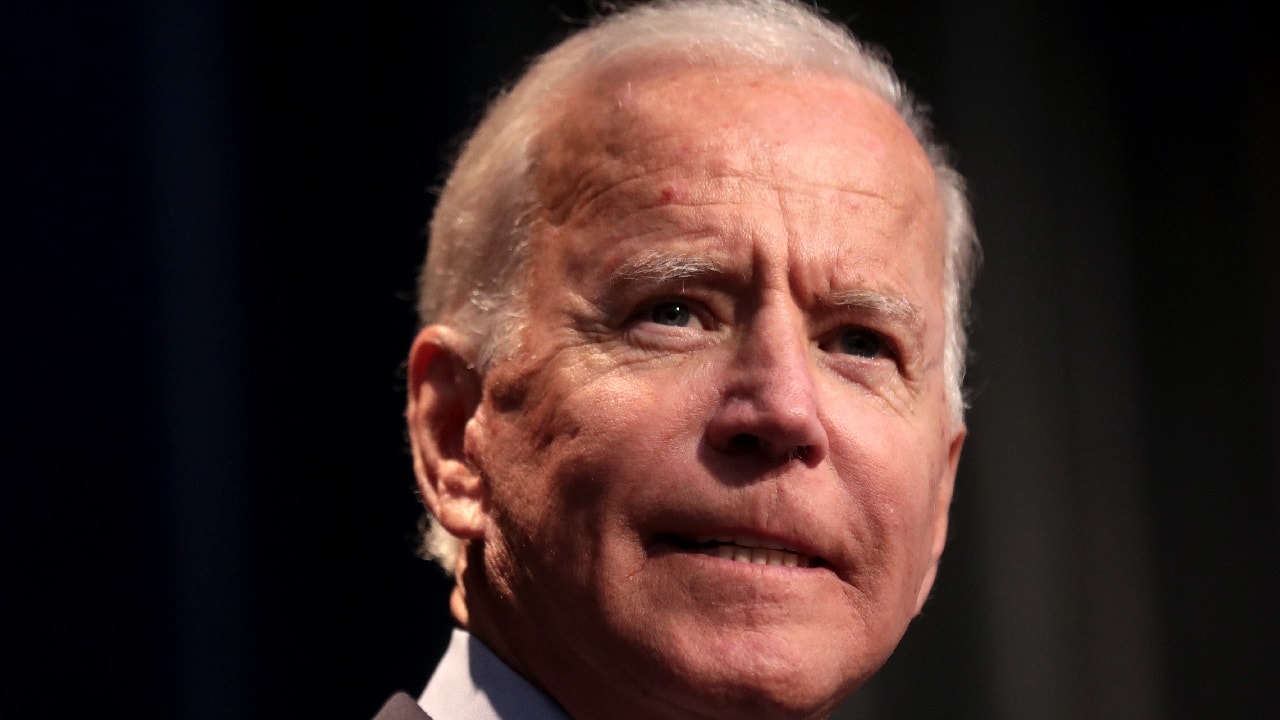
(672, 313)
(860, 342)
(672, 324)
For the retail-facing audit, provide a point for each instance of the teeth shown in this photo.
(756, 554)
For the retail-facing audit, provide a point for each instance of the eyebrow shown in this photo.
(658, 267)
(892, 309)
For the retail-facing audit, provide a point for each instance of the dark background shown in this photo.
(215, 215)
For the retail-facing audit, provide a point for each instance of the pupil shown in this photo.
(860, 343)
(671, 313)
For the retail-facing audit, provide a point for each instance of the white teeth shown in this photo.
(756, 555)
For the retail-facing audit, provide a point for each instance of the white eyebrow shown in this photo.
(890, 305)
(660, 268)
(657, 267)
(892, 308)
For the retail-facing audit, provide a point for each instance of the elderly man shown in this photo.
(686, 407)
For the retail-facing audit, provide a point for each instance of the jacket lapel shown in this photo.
(401, 707)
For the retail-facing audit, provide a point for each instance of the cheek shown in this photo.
(571, 470)
(648, 411)
(889, 474)
(548, 445)
(538, 497)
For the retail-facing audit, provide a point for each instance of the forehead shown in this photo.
(814, 176)
(792, 130)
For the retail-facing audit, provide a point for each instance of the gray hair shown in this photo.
(479, 234)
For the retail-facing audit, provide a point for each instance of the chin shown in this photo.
(763, 675)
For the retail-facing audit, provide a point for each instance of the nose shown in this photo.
(769, 405)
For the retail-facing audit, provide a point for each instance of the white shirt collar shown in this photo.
(471, 683)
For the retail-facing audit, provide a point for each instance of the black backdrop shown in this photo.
(216, 214)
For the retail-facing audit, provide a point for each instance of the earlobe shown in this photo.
(444, 392)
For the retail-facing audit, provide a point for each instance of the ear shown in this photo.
(941, 511)
(444, 392)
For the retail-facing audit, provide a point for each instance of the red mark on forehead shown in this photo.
(667, 195)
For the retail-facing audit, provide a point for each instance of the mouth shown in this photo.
(745, 549)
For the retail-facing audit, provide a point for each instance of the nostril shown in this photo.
(744, 443)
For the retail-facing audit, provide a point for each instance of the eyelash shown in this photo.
(693, 311)
(886, 346)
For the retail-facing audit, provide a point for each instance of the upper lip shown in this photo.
(789, 519)
(746, 540)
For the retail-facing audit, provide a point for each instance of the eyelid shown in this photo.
(642, 332)
(697, 310)
(897, 319)
(889, 345)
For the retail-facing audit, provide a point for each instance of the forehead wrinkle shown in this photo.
(579, 174)
(643, 192)
(577, 193)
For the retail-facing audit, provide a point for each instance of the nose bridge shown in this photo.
(773, 396)
(776, 360)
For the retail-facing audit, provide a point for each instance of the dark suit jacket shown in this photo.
(401, 707)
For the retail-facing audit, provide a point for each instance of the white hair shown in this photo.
(479, 234)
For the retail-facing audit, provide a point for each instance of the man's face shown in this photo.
(719, 461)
